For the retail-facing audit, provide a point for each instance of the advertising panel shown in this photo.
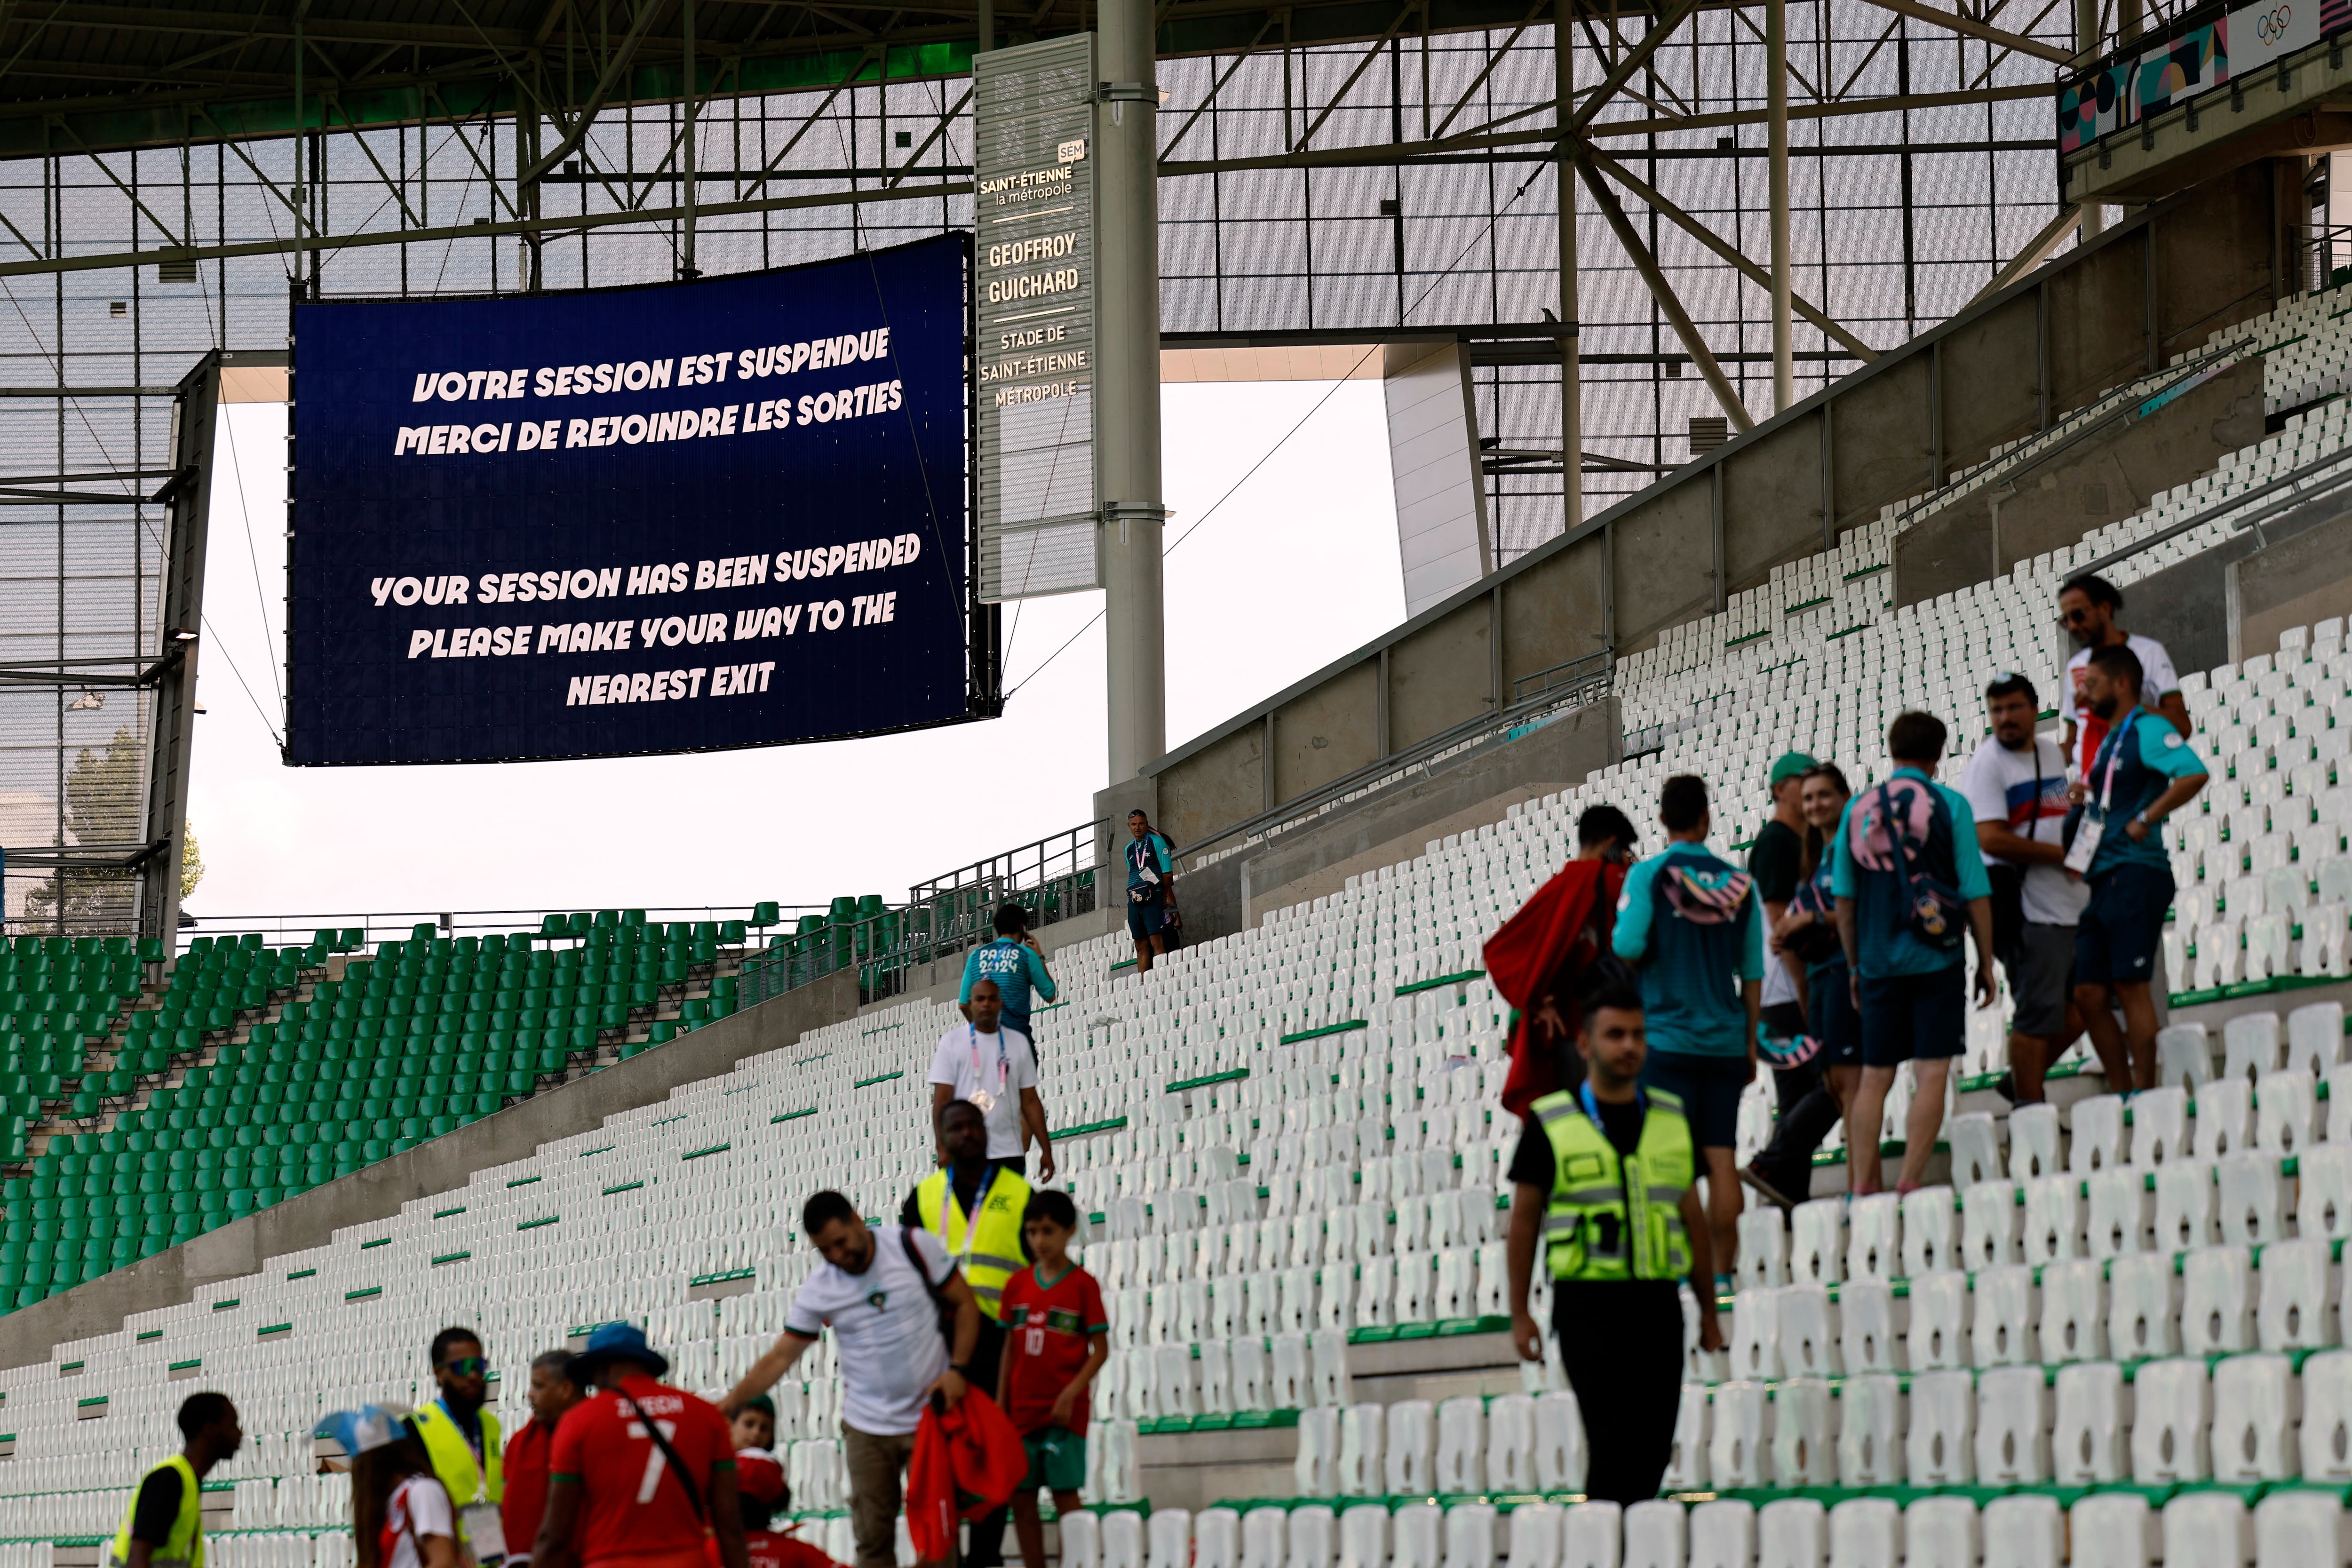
(720, 513)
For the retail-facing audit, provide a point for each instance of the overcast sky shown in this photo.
(1297, 568)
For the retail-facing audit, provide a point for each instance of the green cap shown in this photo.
(1788, 766)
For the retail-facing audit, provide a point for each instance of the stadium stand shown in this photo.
(2111, 1337)
(256, 1073)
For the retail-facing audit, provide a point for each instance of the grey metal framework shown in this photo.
(1341, 172)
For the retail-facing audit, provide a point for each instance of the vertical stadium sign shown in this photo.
(1034, 275)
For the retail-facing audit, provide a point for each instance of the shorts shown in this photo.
(1144, 919)
(2041, 970)
(2123, 925)
(1709, 1087)
(1914, 1017)
(1057, 1460)
(1830, 1014)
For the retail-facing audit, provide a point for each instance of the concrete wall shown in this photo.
(441, 1165)
(2159, 282)
(2297, 582)
(1478, 787)
(2231, 602)
(2088, 482)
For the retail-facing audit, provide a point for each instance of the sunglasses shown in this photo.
(468, 1365)
(2073, 617)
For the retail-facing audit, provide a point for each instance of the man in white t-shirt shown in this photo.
(988, 1063)
(885, 1317)
(2087, 607)
(2016, 785)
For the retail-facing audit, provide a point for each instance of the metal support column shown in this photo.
(686, 267)
(1572, 369)
(193, 415)
(987, 26)
(1126, 386)
(1784, 332)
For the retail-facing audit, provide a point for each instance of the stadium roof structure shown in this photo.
(98, 78)
(1346, 185)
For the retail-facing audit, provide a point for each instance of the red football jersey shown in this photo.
(1046, 1331)
(774, 1549)
(632, 1506)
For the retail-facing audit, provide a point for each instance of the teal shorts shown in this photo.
(1057, 1460)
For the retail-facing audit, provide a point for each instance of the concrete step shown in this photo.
(1195, 1470)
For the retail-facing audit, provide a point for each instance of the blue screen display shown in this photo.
(727, 512)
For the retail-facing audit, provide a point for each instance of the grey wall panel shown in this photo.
(1441, 506)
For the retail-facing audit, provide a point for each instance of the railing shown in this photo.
(1579, 678)
(358, 930)
(1054, 879)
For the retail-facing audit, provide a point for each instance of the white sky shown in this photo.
(1299, 566)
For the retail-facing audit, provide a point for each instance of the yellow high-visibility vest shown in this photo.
(185, 1547)
(991, 1254)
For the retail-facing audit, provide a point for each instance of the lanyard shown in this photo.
(1592, 1106)
(474, 1443)
(970, 1218)
(1004, 1062)
(2115, 757)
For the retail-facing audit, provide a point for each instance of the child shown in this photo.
(755, 1425)
(761, 1494)
(1056, 1336)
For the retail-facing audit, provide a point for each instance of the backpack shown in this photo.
(1818, 942)
(1933, 911)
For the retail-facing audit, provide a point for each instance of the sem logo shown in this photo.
(2271, 27)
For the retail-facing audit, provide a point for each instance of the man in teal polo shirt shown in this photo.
(1688, 923)
(1017, 965)
(2142, 773)
(1903, 846)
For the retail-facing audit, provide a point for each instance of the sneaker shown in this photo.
(1766, 1190)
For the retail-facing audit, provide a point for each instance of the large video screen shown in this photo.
(727, 512)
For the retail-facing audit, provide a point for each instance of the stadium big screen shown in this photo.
(729, 512)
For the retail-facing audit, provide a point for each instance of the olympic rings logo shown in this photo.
(2272, 25)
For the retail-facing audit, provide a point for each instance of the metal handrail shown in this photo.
(297, 930)
(1054, 878)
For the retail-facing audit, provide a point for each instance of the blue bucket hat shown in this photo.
(358, 1431)
(610, 1340)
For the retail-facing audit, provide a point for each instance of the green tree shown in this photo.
(103, 806)
(192, 860)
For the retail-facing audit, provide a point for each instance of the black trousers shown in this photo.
(1622, 1347)
(1808, 1112)
(987, 1549)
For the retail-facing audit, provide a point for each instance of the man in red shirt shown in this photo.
(641, 1473)
(760, 1484)
(552, 1392)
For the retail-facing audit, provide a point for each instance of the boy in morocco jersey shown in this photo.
(642, 1470)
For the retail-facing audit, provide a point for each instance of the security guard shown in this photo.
(989, 1249)
(1604, 1176)
(462, 1440)
(163, 1527)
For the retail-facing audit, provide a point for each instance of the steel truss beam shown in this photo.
(538, 226)
(1668, 300)
(1714, 242)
